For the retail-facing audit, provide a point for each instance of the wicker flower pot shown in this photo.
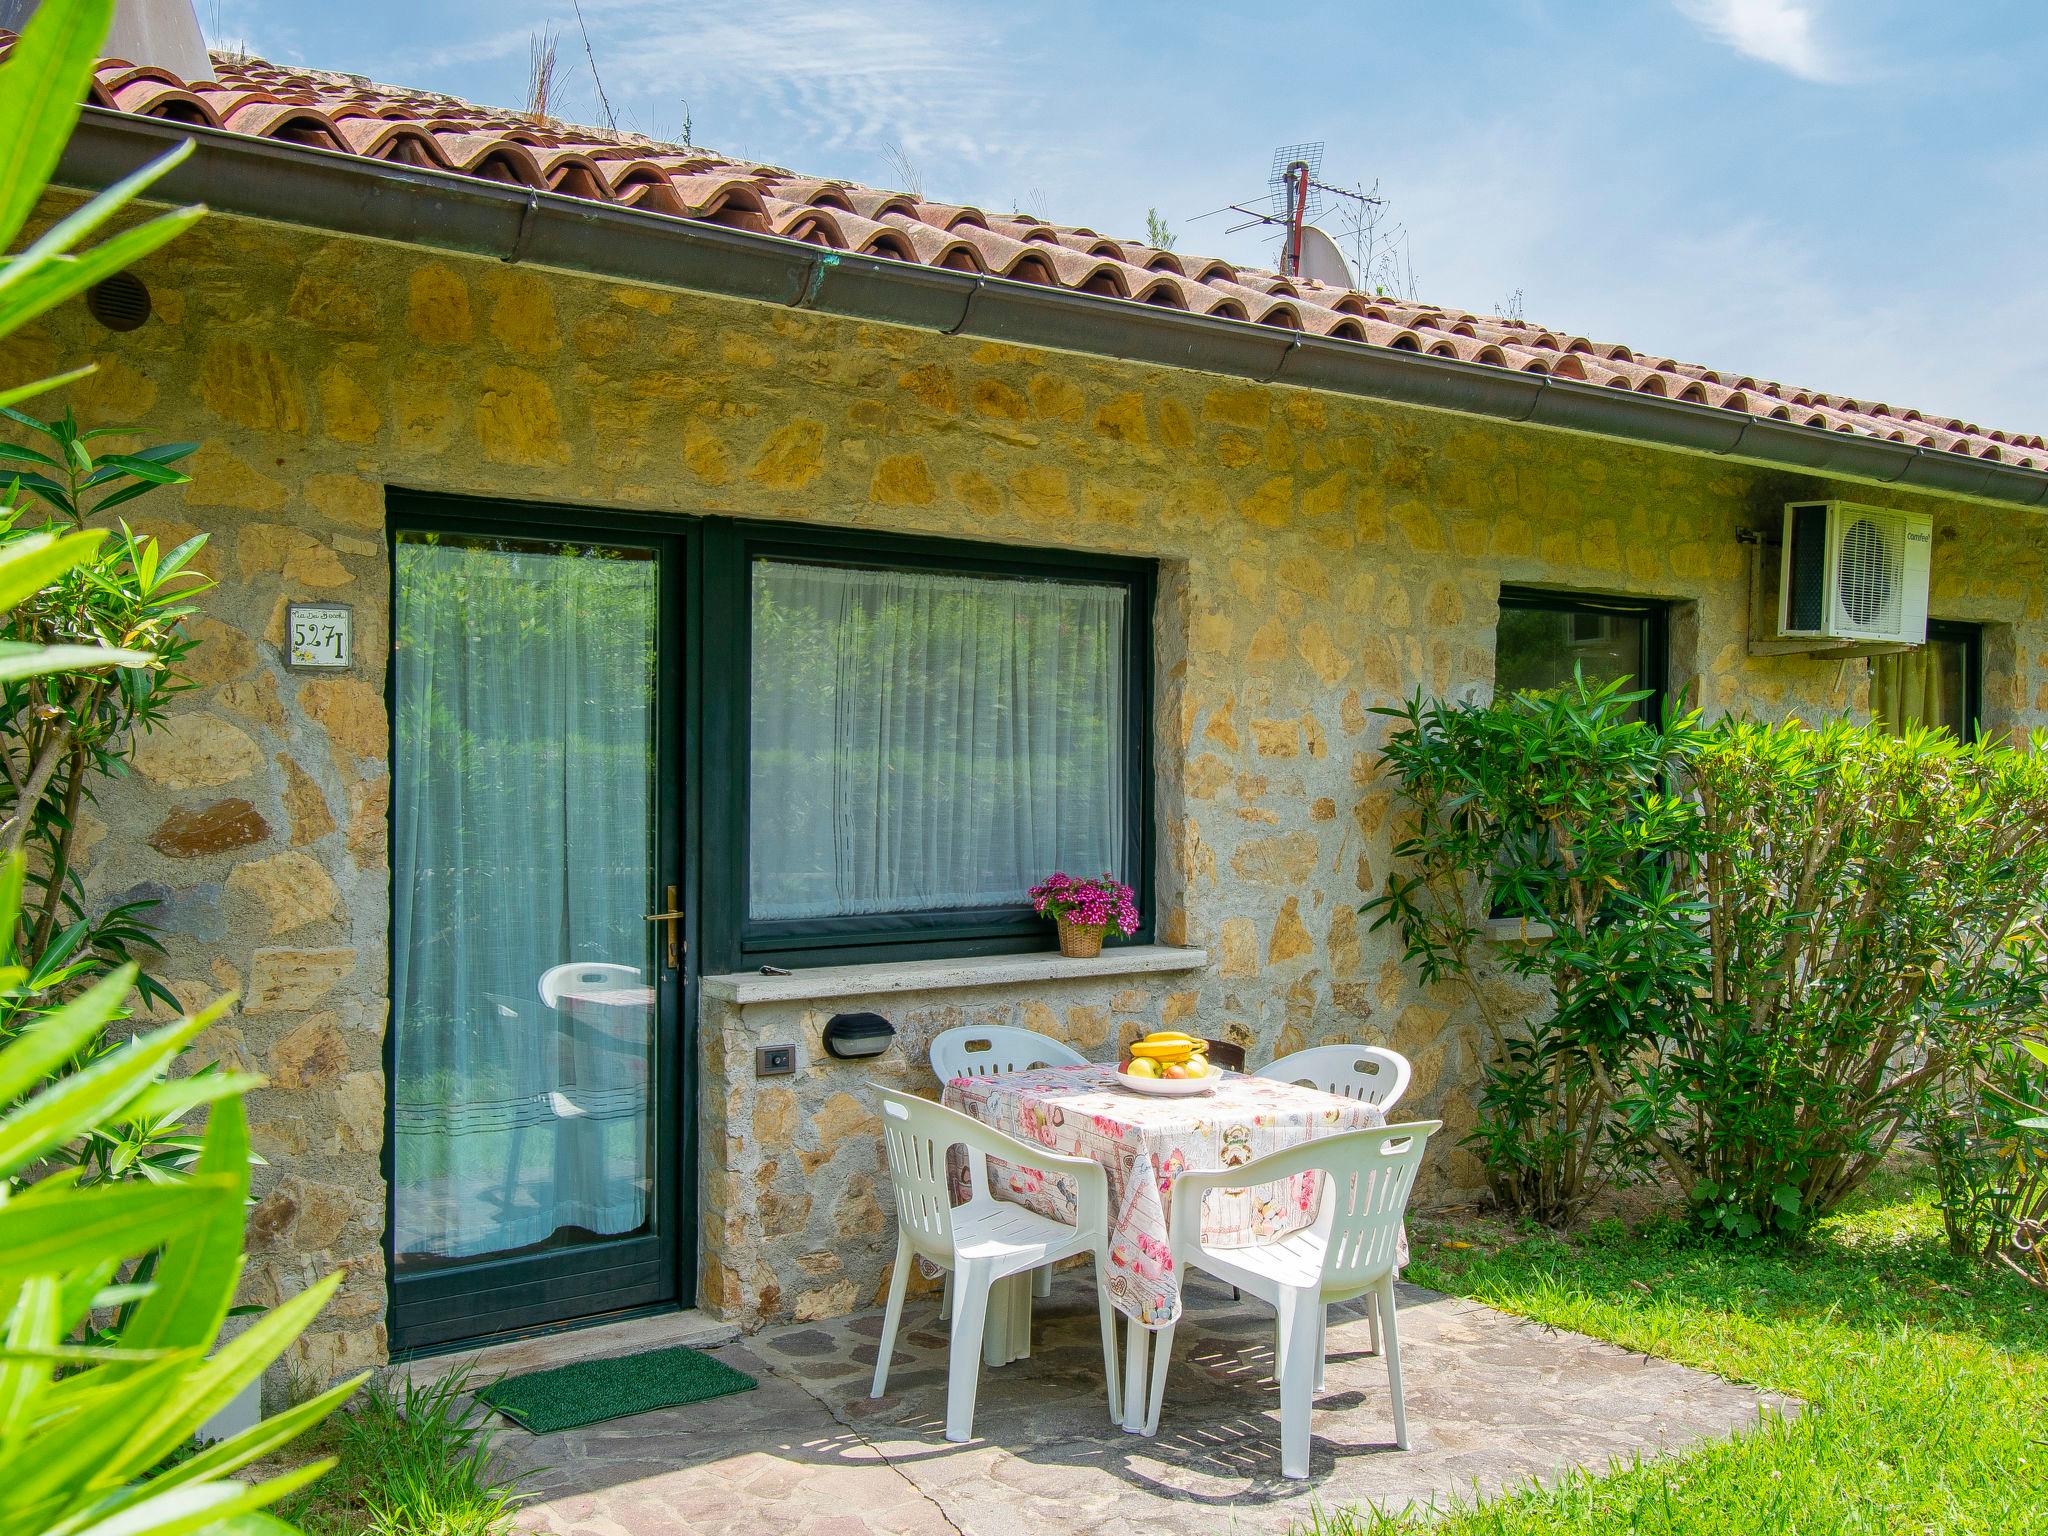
(1080, 941)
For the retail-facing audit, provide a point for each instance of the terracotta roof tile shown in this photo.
(351, 115)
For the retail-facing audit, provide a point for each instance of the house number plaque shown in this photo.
(317, 635)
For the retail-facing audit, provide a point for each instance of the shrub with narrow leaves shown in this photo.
(1550, 812)
(1871, 903)
(90, 1414)
(1763, 945)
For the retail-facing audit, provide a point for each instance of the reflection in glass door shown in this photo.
(534, 980)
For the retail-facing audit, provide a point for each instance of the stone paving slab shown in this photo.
(1492, 1401)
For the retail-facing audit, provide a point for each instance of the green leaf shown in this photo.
(65, 1469)
(15, 394)
(38, 1323)
(31, 564)
(126, 494)
(87, 1354)
(27, 290)
(174, 562)
(42, 85)
(27, 456)
(197, 1275)
(55, 244)
(193, 1507)
(81, 1100)
(19, 661)
(143, 468)
(261, 1439)
(213, 1384)
(44, 1046)
(79, 1228)
(172, 1098)
(1786, 1199)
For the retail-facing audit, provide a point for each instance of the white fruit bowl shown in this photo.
(1168, 1087)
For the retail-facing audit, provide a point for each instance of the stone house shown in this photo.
(607, 530)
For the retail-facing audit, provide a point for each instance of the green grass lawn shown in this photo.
(1923, 1375)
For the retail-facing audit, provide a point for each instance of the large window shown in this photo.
(1547, 637)
(930, 730)
(1936, 684)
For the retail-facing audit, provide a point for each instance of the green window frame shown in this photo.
(1971, 638)
(1650, 618)
(736, 940)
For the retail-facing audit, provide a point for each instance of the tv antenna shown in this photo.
(1296, 193)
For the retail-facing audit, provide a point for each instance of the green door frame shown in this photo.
(506, 1297)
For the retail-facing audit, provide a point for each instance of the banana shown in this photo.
(1163, 1050)
(1169, 1037)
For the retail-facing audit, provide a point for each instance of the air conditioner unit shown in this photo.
(1854, 573)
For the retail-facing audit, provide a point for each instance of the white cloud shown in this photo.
(930, 76)
(1784, 33)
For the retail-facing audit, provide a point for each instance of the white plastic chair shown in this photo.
(974, 1051)
(1364, 1072)
(984, 1241)
(591, 976)
(1349, 1250)
(1367, 1073)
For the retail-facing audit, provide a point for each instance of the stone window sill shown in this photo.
(1512, 930)
(948, 975)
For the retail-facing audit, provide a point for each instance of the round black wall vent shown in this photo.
(120, 303)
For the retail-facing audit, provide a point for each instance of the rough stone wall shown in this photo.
(796, 1212)
(1319, 556)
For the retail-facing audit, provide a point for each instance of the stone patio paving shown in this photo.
(1492, 1400)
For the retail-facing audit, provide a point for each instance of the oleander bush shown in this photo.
(1871, 905)
(1548, 814)
(114, 1289)
(113, 1296)
(104, 602)
(65, 736)
(1765, 945)
(1985, 1129)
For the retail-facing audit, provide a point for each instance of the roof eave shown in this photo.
(321, 189)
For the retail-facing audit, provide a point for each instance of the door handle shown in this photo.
(673, 917)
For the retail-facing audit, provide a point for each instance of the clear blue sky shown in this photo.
(1850, 195)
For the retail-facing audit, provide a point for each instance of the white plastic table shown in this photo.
(1143, 1143)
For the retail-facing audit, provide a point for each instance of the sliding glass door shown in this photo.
(538, 953)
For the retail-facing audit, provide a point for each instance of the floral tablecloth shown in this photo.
(1144, 1143)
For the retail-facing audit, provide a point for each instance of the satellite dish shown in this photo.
(1321, 260)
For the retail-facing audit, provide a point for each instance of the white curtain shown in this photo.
(1918, 687)
(522, 838)
(926, 740)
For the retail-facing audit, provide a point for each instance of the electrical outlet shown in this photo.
(774, 1060)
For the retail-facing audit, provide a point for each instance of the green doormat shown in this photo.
(591, 1391)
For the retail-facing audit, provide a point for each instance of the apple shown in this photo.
(1178, 1070)
(1141, 1068)
(1198, 1066)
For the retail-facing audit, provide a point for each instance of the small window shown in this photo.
(927, 740)
(1547, 637)
(1937, 684)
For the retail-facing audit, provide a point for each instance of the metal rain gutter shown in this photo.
(341, 193)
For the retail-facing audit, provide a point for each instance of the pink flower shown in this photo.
(1098, 902)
